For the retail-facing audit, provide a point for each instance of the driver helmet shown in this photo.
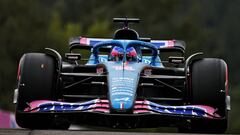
(117, 54)
(131, 54)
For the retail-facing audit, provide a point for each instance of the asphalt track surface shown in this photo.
(75, 132)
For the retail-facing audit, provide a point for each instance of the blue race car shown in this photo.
(126, 82)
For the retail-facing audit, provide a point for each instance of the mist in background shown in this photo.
(210, 26)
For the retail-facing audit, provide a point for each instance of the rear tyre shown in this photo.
(36, 81)
(209, 86)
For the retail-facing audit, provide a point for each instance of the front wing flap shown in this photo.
(140, 108)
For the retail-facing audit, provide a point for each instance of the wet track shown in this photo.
(73, 132)
(59, 132)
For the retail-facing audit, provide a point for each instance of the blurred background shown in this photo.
(211, 26)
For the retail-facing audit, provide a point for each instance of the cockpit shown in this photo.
(117, 54)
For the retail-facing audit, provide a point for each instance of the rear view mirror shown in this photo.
(73, 56)
(176, 60)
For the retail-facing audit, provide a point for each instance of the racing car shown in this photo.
(123, 82)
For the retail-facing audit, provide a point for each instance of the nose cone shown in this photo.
(123, 83)
(122, 92)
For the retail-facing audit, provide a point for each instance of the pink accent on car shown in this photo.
(141, 111)
(102, 105)
(170, 43)
(209, 110)
(19, 72)
(100, 110)
(226, 81)
(36, 104)
(142, 106)
(83, 41)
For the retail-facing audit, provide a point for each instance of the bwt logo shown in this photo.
(123, 67)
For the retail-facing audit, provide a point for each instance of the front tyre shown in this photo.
(36, 81)
(209, 86)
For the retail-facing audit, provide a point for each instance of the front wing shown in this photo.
(141, 107)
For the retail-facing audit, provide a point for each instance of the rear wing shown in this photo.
(162, 45)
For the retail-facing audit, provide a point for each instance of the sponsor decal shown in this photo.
(124, 99)
(101, 59)
(146, 61)
(163, 43)
(122, 86)
(129, 68)
(122, 93)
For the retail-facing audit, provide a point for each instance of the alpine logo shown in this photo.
(125, 99)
